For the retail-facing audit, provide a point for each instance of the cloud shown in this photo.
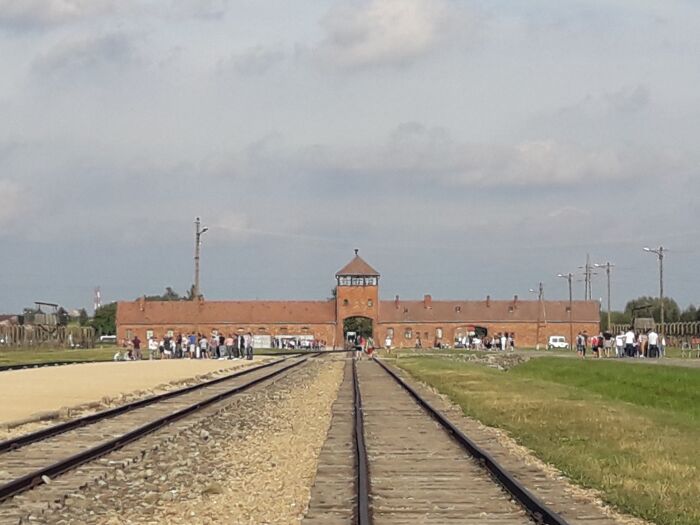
(381, 32)
(254, 60)
(32, 14)
(13, 204)
(206, 9)
(416, 152)
(91, 55)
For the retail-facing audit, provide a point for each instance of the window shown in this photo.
(438, 333)
(408, 334)
(344, 281)
(171, 333)
(129, 334)
(345, 302)
(371, 281)
(390, 333)
(458, 308)
(149, 334)
(370, 303)
(262, 329)
(358, 281)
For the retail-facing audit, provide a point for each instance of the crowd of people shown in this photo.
(625, 344)
(188, 346)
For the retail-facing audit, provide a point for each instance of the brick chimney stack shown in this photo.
(142, 303)
(396, 302)
(488, 301)
(515, 301)
(427, 301)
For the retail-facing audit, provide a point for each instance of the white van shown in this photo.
(557, 341)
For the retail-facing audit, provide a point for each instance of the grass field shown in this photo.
(43, 355)
(632, 432)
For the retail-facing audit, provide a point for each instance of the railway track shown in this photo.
(391, 458)
(38, 458)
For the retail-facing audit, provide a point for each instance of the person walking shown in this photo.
(629, 343)
(137, 347)
(249, 346)
(152, 347)
(653, 342)
(619, 344)
(228, 344)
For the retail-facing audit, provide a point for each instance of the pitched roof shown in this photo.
(358, 266)
(474, 312)
(225, 312)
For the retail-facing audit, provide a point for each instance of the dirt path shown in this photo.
(27, 393)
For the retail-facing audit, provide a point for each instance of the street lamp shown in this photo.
(569, 276)
(199, 231)
(660, 254)
(608, 268)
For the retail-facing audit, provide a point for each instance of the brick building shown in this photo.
(403, 322)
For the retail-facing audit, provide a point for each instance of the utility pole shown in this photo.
(199, 231)
(569, 277)
(660, 254)
(540, 309)
(588, 278)
(608, 269)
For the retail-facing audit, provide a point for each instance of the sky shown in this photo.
(467, 148)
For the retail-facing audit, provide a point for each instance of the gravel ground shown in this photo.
(252, 462)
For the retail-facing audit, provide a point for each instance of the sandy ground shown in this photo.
(25, 393)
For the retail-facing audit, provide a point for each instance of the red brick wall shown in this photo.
(525, 333)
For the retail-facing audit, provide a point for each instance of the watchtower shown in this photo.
(357, 294)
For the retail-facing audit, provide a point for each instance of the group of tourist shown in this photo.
(188, 346)
(625, 344)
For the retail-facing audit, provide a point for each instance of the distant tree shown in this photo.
(83, 318)
(334, 292)
(105, 319)
(690, 314)
(672, 312)
(62, 316)
(615, 318)
(169, 295)
(360, 325)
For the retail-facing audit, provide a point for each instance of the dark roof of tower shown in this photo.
(358, 266)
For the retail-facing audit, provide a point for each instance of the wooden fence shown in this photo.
(40, 335)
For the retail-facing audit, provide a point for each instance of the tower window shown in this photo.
(370, 303)
(345, 302)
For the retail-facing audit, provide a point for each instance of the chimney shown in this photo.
(488, 301)
(396, 302)
(427, 301)
(142, 303)
(515, 301)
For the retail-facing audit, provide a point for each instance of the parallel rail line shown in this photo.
(38, 475)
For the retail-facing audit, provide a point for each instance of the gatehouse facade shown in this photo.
(397, 322)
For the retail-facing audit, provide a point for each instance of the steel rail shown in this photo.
(363, 515)
(39, 476)
(54, 430)
(536, 508)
